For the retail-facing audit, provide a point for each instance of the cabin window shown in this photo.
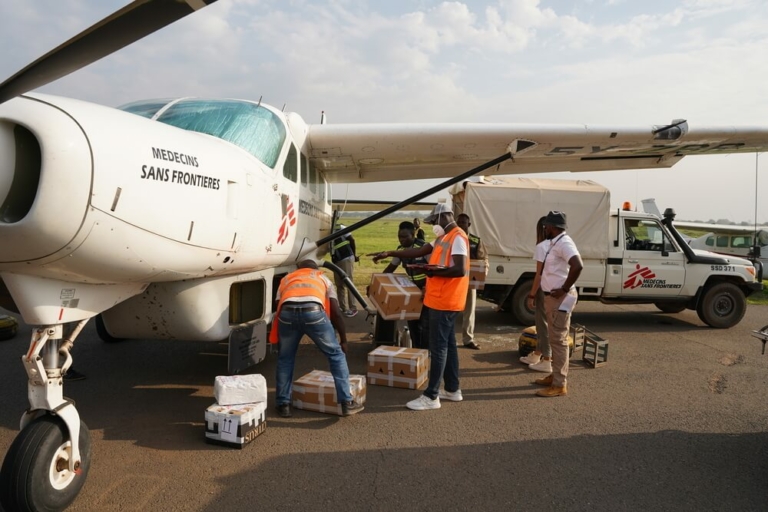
(312, 178)
(290, 168)
(722, 240)
(710, 241)
(304, 170)
(741, 242)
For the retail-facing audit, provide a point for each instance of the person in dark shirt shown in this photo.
(406, 235)
(417, 229)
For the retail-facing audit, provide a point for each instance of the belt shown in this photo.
(550, 293)
(306, 306)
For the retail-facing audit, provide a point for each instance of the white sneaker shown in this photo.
(531, 358)
(542, 366)
(454, 396)
(423, 403)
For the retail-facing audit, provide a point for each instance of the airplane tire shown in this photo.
(670, 307)
(104, 335)
(722, 305)
(520, 310)
(34, 475)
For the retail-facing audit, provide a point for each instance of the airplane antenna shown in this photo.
(322, 117)
(756, 166)
(260, 100)
(283, 109)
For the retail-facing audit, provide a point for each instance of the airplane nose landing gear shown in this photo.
(36, 474)
(48, 462)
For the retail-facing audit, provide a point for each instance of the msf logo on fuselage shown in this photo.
(289, 219)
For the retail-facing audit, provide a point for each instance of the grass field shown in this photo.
(382, 236)
(375, 237)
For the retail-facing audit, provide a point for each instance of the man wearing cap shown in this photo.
(561, 268)
(307, 305)
(444, 298)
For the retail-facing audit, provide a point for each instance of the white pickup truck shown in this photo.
(629, 257)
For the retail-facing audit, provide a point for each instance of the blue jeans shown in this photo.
(440, 329)
(293, 324)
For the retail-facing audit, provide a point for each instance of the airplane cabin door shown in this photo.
(651, 266)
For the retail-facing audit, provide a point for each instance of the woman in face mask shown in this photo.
(444, 298)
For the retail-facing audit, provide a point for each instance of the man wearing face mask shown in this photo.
(444, 298)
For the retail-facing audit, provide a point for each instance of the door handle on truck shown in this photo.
(631, 261)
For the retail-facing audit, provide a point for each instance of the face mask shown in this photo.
(438, 230)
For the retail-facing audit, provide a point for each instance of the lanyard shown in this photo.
(551, 246)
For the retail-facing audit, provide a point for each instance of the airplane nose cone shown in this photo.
(19, 171)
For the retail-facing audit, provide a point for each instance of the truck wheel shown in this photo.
(722, 305)
(520, 310)
(670, 307)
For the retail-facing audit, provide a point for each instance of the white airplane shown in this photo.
(176, 219)
(750, 242)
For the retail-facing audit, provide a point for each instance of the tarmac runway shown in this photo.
(676, 420)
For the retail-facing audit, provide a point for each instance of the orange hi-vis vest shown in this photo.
(304, 282)
(447, 293)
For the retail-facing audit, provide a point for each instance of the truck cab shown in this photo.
(629, 257)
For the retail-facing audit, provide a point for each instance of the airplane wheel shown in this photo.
(35, 474)
(104, 335)
(722, 306)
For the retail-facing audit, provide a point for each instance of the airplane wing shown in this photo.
(389, 152)
(362, 205)
(723, 229)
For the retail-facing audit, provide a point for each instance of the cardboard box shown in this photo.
(395, 297)
(316, 391)
(477, 272)
(398, 367)
(235, 425)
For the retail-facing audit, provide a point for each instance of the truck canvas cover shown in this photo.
(504, 212)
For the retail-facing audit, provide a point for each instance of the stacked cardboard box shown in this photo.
(316, 391)
(239, 414)
(477, 272)
(398, 367)
(395, 297)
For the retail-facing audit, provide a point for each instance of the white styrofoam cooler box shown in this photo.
(240, 389)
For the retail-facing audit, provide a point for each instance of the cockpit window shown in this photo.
(249, 126)
(145, 108)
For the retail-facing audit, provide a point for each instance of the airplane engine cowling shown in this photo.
(45, 180)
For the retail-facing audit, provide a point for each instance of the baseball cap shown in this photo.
(439, 209)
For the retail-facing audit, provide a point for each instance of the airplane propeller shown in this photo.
(131, 23)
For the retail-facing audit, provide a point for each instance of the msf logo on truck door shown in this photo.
(637, 277)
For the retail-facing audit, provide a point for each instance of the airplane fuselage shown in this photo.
(99, 204)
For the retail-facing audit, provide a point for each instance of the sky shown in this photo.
(608, 62)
